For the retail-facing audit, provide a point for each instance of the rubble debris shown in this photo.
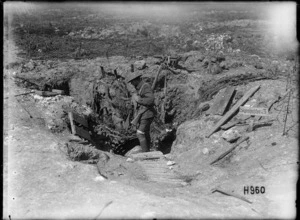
(241, 140)
(205, 151)
(168, 156)
(231, 135)
(99, 178)
(221, 101)
(233, 110)
(230, 194)
(170, 163)
(130, 160)
(204, 106)
(140, 64)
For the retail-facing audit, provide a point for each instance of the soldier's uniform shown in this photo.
(145, 102)
(145, 106)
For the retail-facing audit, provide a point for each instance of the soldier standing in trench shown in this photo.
(145, 112)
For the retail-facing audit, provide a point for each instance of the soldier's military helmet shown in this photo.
(133, 76)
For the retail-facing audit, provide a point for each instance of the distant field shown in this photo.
(57, 31)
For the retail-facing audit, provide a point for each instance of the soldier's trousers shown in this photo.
(143, 134)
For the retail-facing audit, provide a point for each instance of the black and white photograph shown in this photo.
(150, 110)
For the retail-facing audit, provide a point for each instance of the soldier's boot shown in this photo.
(143, 142)
(148, 138)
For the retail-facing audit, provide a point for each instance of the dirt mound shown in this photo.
(194, 151)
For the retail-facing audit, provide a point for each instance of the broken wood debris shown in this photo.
(254, 111)
(253, 125)
(26, 93)
(76, 130)
(47, 93)
(230, 150)
(230, 194)
(233, 110)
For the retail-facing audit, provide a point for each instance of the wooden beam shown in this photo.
(72, 123)
(232, 110)
(241, 140)
(147, 155)
(46, 93)
(26, 93)
(58, 91)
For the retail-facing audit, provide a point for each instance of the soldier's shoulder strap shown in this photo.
(142, 87)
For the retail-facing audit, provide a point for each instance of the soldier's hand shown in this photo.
(135, 97)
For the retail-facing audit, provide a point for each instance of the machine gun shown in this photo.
(171, 61)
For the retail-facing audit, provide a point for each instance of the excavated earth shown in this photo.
(48, 175)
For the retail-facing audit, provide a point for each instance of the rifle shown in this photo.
(156, 77)
(168, 60)
(137, 118)
(163, 112)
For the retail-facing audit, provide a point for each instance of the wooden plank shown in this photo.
(147, 155)
(236, 122)
(244, 110)
(58, 91)
(80, 120)
(241, 140)
(83, 133)
(233, 110)
(72, 123)
(45, 93)
(221, 101)
(158, 171)
(229, 125)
